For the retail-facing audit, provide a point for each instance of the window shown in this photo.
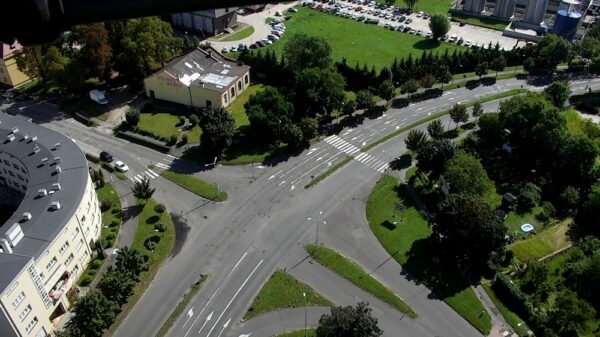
(6, 162)
(69, 259)
(82, 257)
(246, 79)
(25, 312)
(232, 92)
(75, 232)
(225, 97)
(18, 300)
(51, 263)
(240, 85)
(63, 248)
(75, 270)
(31, 324)
(79, 245)
(16, 166)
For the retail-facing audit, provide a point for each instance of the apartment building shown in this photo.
(10, 75)
(48, 241)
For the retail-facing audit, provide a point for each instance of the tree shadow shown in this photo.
(451, 134)
(182, 229)
(426, 44)
(402, 162)
(399, 103)
(131, 212)
(388, 225)
(487, 81)
(375, 112)
(472, 84)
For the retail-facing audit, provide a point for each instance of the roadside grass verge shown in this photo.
(405, 236)
(545, 242)
(164, 245)
(185, 300)
(354, 273)
(481, 22)
(329, 172)
(120, 175)
(511, 318)
(195, 185)
(310, 332)
(111, 217)
(282, 290)
(242, 34)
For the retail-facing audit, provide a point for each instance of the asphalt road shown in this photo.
(239, 243)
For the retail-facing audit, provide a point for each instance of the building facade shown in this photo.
(10, 75)
(209, 22)
(48, 241)
(199, 79)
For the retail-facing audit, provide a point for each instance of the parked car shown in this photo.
(254, 46)
(278, 13)
(233, 49)
(95, 95)
(460, 40)
(293, 10)
(409, 20)
(106, 156)
(429, 35)
(453, 38)
(444, 38)
(419, 32)
(225, 50)
(121, 166)
(468, 43)
(242, 46)
(400, 28)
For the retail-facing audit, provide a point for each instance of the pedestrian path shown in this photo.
(363, 158)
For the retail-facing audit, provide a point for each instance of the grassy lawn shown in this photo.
(165, 124)
(359, 42)
(237, 107)
(283, 291)
(242, 34)
(195, 185)
(575, 123)
(544, 243)
(511, 318)
(481, 22)
(405, 237)
(310, 332)
(354, 273)
(514, 220)
(194, 289)
(164, 245)
(111, 218)
(427, 6)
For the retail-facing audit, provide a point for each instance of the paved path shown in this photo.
(276, 322)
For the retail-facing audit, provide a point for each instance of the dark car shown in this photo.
(107, 157)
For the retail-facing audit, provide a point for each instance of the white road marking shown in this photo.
(167, 160)
(360, 156)
(224, 327)
(233, 298)
(419, 109)
(292, 188)
(201, 311)
(388, 122)
(314, 168)
(281, 183)
(171, 156)
(273, 175)
(364, 143)
(382, 130)
(163, 166)
(206, 321)
(190, 314)
(295, 167)
(397, 127)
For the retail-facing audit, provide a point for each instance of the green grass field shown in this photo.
(237, 107)
(310, 332)
(354, 273)
(515, 220)
(543, 243)
(481, 22)
(356, 41)
(405, 238)
(242, 34)
(166, 124)
(282, 290)
(109, 231)
(511, 318)
(195, 185)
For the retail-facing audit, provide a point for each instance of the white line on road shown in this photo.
(201, 311)
(190, 314)
(171, 156)
(295, 167)
(208, 318)
(273, 175)
(224, 327)
(281, 183)
(234, 296)
(161, 165)
(314, 168)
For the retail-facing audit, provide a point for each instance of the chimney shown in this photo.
(6, 248)
(56, 187)
(55, 205)
(41, 193)
(26, 216)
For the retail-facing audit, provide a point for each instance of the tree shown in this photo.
(116, 286)
(309, 127)
(96, 50)
(477, 110)
(498, 64)
(386, 90)
(530, 195)
(53, 64)
(434, 155)
(349, 107)
(465, 175)
(481, 69)
(291, 134)
(468, 228)
(349, 322)
(570, 197)
(93, 313)
(390, 2)
(304, 51)
(218, 128)
(427, 81)
(589, 215)
(436, 129)
(410, 3)
(415, 139)
(439, 25)
(570, 314)
(458, 114)
(267, 111)
(194, 120)
(550, 51)
(558, 93)
(130, 261)
(318, 91)
(364, 99)
(29, 61)
(444, 75)
(410, 87)
(132, 116)
(142, 190)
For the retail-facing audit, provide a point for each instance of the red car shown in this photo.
(358, 9)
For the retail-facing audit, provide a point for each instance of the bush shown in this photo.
(181, 120)
(548, 212)
(511, 295)
(184, 138)
(194, 120)
(110, 237)
(92, 158)
(159, 208)
(105, 205)
(107, 167)
(132, 137)
(172, 139)
(150, 245)
(116, 211)
(132, 116)
(96, 264)
(114, 223)
(160, 227)
(85, 281)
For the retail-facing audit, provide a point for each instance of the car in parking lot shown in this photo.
(402, 18)
(254, 46)
(121, 166)
(106, 156)
(400, 27)
(460, 40)
(453, 38)
(444, 38)
(293, 10)
(419, 32)
(409, 20)
(428, 35)
(468, 43)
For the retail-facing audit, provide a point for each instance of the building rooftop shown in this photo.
(54, 163)
(205, 68)
(7, 50)
(11, 266)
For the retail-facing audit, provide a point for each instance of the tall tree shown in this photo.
(458, 114)
(386, 90)
(364, 99)
(143, 190)
(303, 51)
(477, 110)
(465, 175)
(468, 229)
(53, 64)
(436, 129)
(318, 91)
(218, 128)
(96, 51)
(130, 261)
(132, 116)
(558, 92)
(93, 313)
(439, 25)
(444, 75)
(267, 111)
(570, 314)
(427, 81)
(434, 155)
(415, 139)
(29, 61)
(481, 69)
(498, 63)
(410, 87)
(349, 322)
(116, 286)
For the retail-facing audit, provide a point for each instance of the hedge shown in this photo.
(144, 141)
(82, 119)
(92, 158)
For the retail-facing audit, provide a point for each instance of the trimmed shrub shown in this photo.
(114, 223)
(85, 281)
(116, 211)
(173, 139)
(160, 227)
(160, 208)
(150, 245)
(105, 205)
(181, 120)
(110, 237)
(96, 264)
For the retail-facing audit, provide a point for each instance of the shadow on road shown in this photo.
(182, 230)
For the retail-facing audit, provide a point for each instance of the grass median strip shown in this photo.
(327, 173)
(310, 332)
(195, 185)
(282, 290)
(354, 273)
(181, 306)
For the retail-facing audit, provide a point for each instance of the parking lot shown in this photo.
(395, 18)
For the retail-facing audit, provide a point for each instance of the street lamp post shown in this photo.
(317, 237)
(305, 313)
(214, 165)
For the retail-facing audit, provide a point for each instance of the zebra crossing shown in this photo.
(148, 174)
(363, 158)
